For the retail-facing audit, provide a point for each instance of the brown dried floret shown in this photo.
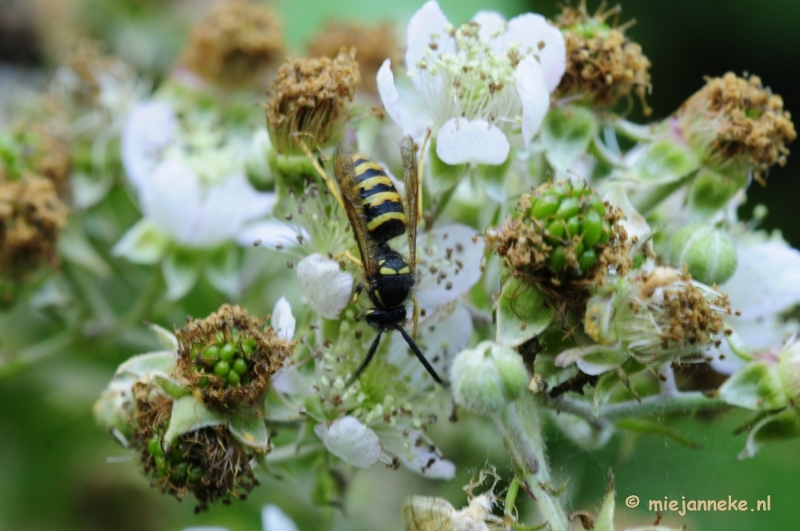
(207, 462)
(374, 44)
(736, 121)
(603, 65)
(229, 357)
(563, 239)
(234, 43)
(309, 101)
(31, 218)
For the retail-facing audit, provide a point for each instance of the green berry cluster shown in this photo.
(174, 464)
(573, 221)
(230, 359)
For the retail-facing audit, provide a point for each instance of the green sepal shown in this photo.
(181, 270)
(656, 429)
(602, 391)
(161, 362)
(605, 518)
(166, 338)
(586, 435)
(171, 386)
(189, 415)
(665, 161)
(494, 178)
(521, 313)
(566, 135)
(144, 243)
(755, 386)
(711, 191)
(781, 426)
(75, 247)
(222, 270)
(247, 426)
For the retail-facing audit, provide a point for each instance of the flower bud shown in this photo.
(487, 378)
(708, 252)
(257, 166)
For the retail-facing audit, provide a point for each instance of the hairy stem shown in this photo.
(521, 425)
(650, 405)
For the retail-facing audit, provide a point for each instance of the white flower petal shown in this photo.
(325, 286)
(427, 22)
(412, 121)
(542, 40)
(269, 234)
(491, 23)
(533, 95)
(149, 129)
(288, 380)
(425, 460)
(766, 281)
(351, 441)
(273, 519)
(171, 199)
(461, 141)
(449, 265)
(283, 322)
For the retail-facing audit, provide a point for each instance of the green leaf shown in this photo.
(605, 518)
(521, 313)
(189, 415)
(247, 426)
(755, 386)
(89, 190)
(656, 429)
(181, 270)
(566, 134)
(165, 337)
(75, 247)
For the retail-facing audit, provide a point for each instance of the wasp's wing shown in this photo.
(408, 149)
(353, 206)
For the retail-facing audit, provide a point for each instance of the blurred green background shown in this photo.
(53, 469)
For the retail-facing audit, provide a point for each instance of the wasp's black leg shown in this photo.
(420, 356)
(366, 361)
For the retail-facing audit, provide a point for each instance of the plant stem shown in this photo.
(521, 425)
(650, 405)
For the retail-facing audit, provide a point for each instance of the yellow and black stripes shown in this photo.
(383, 207)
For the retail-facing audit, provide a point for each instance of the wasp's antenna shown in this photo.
(366, 361)
(420, 356)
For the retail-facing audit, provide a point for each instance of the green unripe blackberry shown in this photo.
(229, 356)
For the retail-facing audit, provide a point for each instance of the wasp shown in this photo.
(377, 215)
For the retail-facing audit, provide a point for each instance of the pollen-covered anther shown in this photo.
(208, 462)
(374, 44)
(234, 43)
(734, 122)
(309, 101)
(229, 357)
(603, 64)
(563, 238)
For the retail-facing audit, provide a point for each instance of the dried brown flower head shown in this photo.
(31, 218)
(207, 462)
(309, 101)
(234, 43)
(563, 239)
(374, 44)
(735, 122)
(603, 65)
(229, 357)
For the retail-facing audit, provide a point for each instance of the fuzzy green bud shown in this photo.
(708, 252)
(487, 378)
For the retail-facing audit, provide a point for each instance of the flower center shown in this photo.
(473, 81)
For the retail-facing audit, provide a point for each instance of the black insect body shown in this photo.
(377, 214)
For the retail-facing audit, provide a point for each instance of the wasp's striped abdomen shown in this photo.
(383, 207)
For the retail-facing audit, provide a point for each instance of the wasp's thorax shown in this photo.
(390, 288)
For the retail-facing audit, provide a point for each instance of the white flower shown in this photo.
(272, 519)
(283, 322)
(193, 195)
(478, 83)
(765, 284)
